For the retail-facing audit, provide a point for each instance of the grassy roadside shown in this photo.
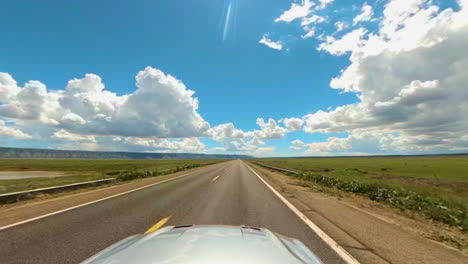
(407, 183)
(89, 170)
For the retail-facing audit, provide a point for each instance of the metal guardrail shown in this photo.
(276, 168)
(29, 194)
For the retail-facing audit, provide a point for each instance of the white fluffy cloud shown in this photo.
(161, 106)
(410, 78)
(292, 124)
(67, 136)
(73, 119)
(234, 139)
(397, 11)
(349, 42)
(9, 131)
(310, 32)
(357, 143)
(314, 19)
(297, 10)
(324, 3)
(228, 130)
(340, 26)
(270, 130)
(137, 144)
(307, 23)
(187, 145)
(297, 144)
(366, 14)
(87, 116)
(377, 143)
(277, 45)
(26, 102)
(264, 151)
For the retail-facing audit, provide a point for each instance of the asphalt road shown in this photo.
(228, 193)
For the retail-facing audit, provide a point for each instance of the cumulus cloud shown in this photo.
(366, 14)
(324, 3)
(65, 135)
(349, 42)
(270, 130)
(310, 32)
(340, 26)
(297, 144)
(190, 145)
(73, 119)
(301, 10)
(277, 45)
(307, 23)
(228, 130)
(314, 19)
(264, 151)
(9, 131)
(161, 106)
(292, 124)
(409, 76)
(237, 140)
(373, 142)
(297, 10)
(397, 11)
(27, 102)
(86, 115)
(356, 143)
(137, 144)
(239, 145)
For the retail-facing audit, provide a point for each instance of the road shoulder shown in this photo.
(369, 236)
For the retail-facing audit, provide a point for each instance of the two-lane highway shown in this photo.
(227, 193)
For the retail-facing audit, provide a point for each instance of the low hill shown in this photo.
(31, 153)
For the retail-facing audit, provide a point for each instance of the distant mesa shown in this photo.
(31, 153)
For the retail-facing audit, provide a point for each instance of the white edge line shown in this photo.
(88, 203)
(348, 258)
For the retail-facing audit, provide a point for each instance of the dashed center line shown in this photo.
(158, 225)
(214, 179)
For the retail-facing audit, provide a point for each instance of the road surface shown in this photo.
(227, 193)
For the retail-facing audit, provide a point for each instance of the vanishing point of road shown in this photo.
(228, 193)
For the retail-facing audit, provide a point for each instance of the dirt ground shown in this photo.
(11, 175)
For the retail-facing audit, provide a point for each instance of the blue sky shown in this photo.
(235, 78)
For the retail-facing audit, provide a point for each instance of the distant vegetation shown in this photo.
(435, 186)
(88, 170)
(28, 153)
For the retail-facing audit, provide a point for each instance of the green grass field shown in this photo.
(431, 184)
(88, 170)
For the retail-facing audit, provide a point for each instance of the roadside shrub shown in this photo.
(434, 207)
(138, 174)
(135, 174)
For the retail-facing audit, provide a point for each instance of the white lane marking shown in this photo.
(92, 202)
(214, 179)
(327, 239)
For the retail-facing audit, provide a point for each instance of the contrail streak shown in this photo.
(227, 21)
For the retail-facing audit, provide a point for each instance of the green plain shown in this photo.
(86, 170)
(445, 175)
